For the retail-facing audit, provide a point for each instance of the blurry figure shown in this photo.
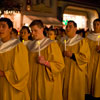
(25, 35)
(87, 32)
(94, 65)
(81, 32)
(14, 33)
(45, 32)
(58, 34)
(61, 35)
(52, 34)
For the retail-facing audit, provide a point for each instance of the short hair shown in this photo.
(39, 23)
(8, 21)
(96, 20)
(71, 21)
(25, 27)
(15, 31)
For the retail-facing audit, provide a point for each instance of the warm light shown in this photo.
(48, 26)
(28, 8)
(99, 36)
(98, 39)
(2, 15)
(23, 41)
(38, 42)
(80, 20)
(64, 41)
(65, 44)
(26, 24)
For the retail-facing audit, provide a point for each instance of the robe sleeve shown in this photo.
(55, 59)
(83, 56)
(18, 76)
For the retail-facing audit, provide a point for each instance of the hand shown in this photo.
(68, 53)
(98, 48)
(41, 60)
(2, 74)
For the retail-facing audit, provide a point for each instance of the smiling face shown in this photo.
(5, 31)
(37, 32)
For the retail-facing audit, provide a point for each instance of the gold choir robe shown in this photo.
(94, 65)
(26, 43)
(75, 72)
(45, 84)
(14, 63)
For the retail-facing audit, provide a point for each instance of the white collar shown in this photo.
(6, 46)
(26, 43)
(43, 44)
(74, 40)
(94, 36)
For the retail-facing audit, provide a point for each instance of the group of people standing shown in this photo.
(46, 69)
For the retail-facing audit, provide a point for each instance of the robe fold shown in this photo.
(75, 72)
(45, 83)
(94, 65)
(14, 63)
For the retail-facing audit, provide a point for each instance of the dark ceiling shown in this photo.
(87, 2)
(9, 5)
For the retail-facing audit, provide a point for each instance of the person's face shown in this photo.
(37, 32)
(24, 34)
(13, 35)
(5, 30)
(96, 26)
(51, 35)
(70, 29)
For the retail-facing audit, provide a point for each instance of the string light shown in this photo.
(10, 12)
(0, 12)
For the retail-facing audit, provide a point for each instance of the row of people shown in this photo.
(45, 70)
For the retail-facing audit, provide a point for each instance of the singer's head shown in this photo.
(37, 29)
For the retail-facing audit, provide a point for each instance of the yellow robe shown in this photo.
(45, 84)
(15, 65)
(75, 72)
(94, 70)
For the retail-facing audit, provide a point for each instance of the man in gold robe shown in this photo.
(94, 65)
(76, 55)
(46, 65)
(14, 67)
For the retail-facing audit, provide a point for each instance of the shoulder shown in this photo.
(21, 47)
(53, 43)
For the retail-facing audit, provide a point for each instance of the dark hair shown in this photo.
(25, 27)
(54, 30)
(96, 20)
(15, 31)
(8, 21)
(71, 21)
(81, 31)
(39, 23)
(45, 31)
